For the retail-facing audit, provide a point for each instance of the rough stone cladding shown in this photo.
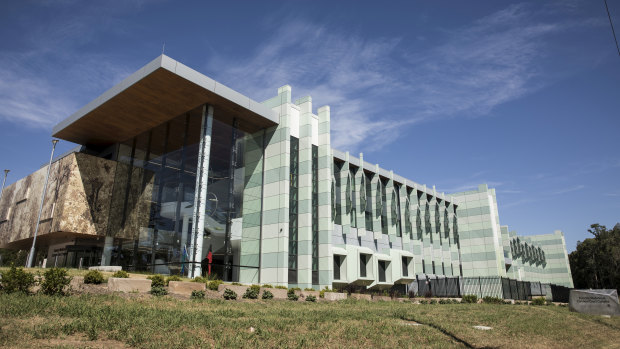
(77, 199)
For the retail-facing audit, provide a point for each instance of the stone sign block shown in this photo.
(333, 296)
(129, 285)
(360, 296)
(595, 302)
(108, 268)
(184, 287)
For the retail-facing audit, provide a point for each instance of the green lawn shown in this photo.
(143, 321)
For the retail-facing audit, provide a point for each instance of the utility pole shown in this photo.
(36, 230)
(6, 172)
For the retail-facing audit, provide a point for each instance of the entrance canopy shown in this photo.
(158, 92)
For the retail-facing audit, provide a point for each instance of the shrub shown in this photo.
(229, 294)
(172, 278)
(237, 284)
(158, 291)
(433, 301)
(311, 298)
(252, 292)
(267, 286)
(423, 301)
(492, 300)
(282, 287)
(213, 285)
(538, 301)
(54, 281)
(198, 294)
(93, 277)
(157, 280)
(121, 274)
(17, 280)
(444, 301)
(267, 294)
(295, 289)
(200, 279)
(469, 298)
(291, 295)
(308, 289)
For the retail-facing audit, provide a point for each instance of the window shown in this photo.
(336, 267)
(382, 268)
(363, 264)
(405, 262)
(293, 213)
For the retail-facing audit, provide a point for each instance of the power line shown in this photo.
(612, 27)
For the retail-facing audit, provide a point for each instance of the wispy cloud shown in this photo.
(568, 190)
(50, 74)
(377, 87)
(473, 186)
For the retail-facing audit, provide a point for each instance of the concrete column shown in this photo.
(304, 246)
(200, 198)
(326, 160)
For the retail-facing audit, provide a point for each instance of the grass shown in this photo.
(166, 322)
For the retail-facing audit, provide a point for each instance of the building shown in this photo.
(178, 174)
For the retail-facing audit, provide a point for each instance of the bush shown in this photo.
(444, 301)
(291, 295)
(267, 294)
(308, 289)
(282, 287)
(237, 284)
(469, 298)
(423, 301)
(158, 291)
(433, 301)
(538, 301)
(252, 292)
(93, 277)
(54, 281)
(157, 280)
(198, 294)
(267, 286)
(229, 294)
(311, 298)
(295, 289)
(17, 280)
(172, 278)
(200, 279)
(213, 285)
(121, 274)
(492, 300)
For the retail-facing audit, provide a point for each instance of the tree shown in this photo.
(596, 261)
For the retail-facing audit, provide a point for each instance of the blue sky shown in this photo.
(524, 96)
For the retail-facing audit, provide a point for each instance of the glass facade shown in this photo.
(293, 226)
(315, 215)
(152, 204)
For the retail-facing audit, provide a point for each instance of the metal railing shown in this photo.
(499, 287)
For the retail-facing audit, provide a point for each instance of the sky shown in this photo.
(523, 96)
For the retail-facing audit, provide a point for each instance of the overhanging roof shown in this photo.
(158, 92)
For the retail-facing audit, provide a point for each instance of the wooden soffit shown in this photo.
(158, 92)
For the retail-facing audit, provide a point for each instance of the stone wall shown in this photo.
(78, 199)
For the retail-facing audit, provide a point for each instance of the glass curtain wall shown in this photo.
(293, 228)
(153, 199)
